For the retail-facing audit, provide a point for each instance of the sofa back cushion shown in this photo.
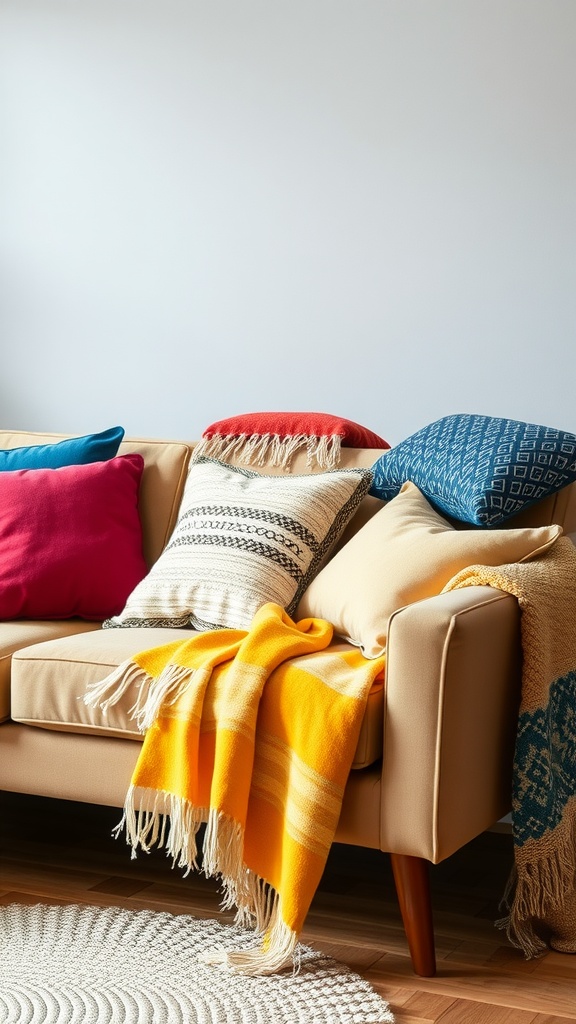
(165, 466)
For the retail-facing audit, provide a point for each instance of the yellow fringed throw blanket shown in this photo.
(541, 895)
(252, 733)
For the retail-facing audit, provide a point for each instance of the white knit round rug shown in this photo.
(107, 965)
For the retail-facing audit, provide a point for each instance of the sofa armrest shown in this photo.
(451, 706)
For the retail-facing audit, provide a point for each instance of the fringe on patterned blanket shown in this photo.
(540, 899)
(272, 449)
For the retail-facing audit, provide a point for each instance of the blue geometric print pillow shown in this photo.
(479, 469)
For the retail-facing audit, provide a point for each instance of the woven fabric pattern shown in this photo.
(252, 733)
(276, 437)
(480, 469)
(243, 539)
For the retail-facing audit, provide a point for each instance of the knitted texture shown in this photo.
(91, 965)
(254, 734)
(541, 895)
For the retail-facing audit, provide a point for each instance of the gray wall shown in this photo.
(365, 207)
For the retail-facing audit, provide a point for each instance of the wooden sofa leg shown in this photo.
(411, 876)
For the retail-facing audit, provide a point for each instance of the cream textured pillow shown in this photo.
(243, 539)
(406, 552)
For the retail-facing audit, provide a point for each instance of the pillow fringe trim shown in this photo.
(271, 449)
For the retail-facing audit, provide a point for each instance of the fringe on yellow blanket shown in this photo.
(540, 898)
(252, 734)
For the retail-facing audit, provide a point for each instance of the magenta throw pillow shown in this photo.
(70, 540)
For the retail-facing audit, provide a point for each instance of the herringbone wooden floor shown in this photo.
(56, 852)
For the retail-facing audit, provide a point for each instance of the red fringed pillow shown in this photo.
(257, 438)
(70, 540)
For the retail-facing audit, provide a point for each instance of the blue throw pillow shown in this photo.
(479, 469)
(74, 451)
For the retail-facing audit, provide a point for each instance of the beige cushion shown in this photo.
(350, 458)
(17, 634)
(405, 553)
(165, 467)
(50, 679)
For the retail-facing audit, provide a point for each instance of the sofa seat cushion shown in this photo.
(19, 633)
(50, 679)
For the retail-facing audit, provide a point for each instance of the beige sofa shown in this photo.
(433, 764)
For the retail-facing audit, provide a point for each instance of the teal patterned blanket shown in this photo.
(540, 898)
